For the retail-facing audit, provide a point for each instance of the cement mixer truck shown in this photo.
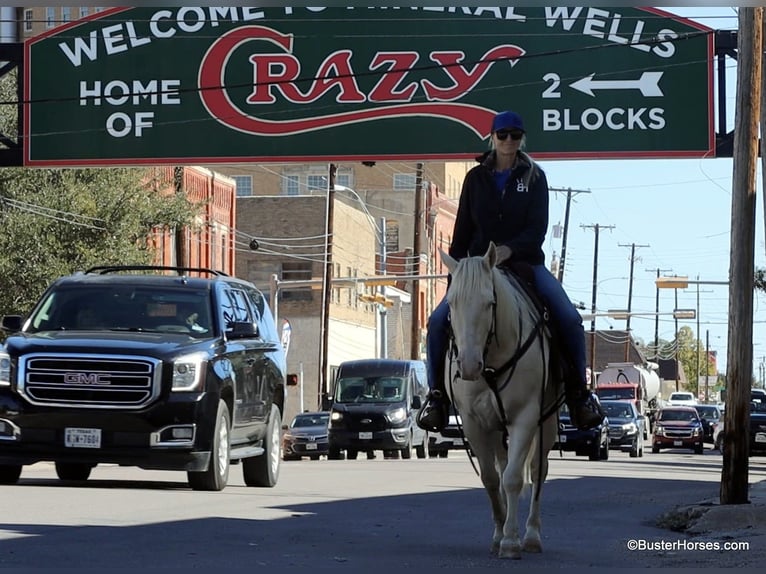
(635, 383)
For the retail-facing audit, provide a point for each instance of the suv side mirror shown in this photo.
(242, 330)
(416, 402)
(11, 323)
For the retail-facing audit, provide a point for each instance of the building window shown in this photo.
(295, 271)
(316, 183)
(28, 20)
(404, 182)
(66, 13)
(83, 11)
(98, 9)
(244, 185)
(50, 17)
(343, 179)
(292, 184)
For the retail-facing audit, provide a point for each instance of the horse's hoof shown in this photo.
(512, 551)
(532, 545)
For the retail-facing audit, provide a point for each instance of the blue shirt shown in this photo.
(501, 178)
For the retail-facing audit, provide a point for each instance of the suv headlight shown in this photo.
(189, 372)
(336, 417)
(397, 416)
(5, 369)
(658, 430)
(630, 428)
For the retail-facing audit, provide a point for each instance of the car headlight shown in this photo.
(397, 416)
(697, 431)
(189, 372)
(5, 369)
(658, 430)
(630, 428)
(336, 416)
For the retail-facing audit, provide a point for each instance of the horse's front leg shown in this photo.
(520, 435)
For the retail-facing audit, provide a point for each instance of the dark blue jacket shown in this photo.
(518, 220)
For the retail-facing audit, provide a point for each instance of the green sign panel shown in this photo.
(209, 85)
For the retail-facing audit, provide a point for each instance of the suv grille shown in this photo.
(90, 381)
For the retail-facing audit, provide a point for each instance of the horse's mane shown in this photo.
(469, 278)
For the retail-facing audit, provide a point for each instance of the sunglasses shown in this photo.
(503, 134)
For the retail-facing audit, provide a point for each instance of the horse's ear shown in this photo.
(491, 255)
(450, 262)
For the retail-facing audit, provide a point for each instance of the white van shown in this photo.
(680, 398)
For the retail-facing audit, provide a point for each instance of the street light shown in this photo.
(622, 314)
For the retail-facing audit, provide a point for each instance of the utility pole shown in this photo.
(630, 295)
(707, 366)
(324, 386)
(569, 191)
(182, 247)
(596, 228)
(657, 310)
(416, 248)
(678, 363)
(734, 472)
(382, 289)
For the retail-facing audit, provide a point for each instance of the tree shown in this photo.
(57, 221)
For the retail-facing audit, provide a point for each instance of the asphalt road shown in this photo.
(376, 514)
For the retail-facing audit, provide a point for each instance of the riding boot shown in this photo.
(584, 408)
(434, 414)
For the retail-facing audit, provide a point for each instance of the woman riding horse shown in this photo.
(505, 200)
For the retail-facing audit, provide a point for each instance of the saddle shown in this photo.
(524, 275)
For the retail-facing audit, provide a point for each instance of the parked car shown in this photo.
(306, 436)
(626, 427)
(450, 438)
(167, 368)
(710, 415)
(757, 433)
(593, 443)
(682, 398)
(678, 427)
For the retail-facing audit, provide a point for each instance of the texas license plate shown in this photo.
(760, 437)
(82, 438)
(562, 438)
(311, 446)
(365, 436)
(678, 443)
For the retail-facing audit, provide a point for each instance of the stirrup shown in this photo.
(433, 415)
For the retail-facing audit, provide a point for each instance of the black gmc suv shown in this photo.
(169, 368)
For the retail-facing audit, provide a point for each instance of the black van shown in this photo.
(374, 405)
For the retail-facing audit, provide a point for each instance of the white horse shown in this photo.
(496, 327)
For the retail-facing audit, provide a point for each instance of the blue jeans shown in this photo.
(567, 323)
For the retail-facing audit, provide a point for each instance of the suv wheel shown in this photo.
(216, 475)
(420, 450)
(263, 470)
(73, 471)
(10, 473)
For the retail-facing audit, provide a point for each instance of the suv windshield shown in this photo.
(370, 390)
(674, 415)
(618, 411)
(124, 308)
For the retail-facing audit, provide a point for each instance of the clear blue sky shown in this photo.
(678, 210)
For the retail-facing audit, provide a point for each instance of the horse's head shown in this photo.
(471, 299)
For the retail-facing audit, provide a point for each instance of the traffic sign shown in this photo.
(231, 84)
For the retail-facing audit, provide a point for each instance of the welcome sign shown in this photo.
(234, 84)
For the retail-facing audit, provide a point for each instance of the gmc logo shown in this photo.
(86, 379)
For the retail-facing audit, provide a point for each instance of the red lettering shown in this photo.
(386, 89)
(273, 71)
(464, 81)
(338, 64)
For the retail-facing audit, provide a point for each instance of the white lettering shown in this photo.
(615, 119)
(124, 120)
(143, 120)
(596, 20)
(82, 47)
(87, 93)
(553, 14)
(113, 38)
(195, 12)
(496, 12)
(252, 14)
(217, 13)
(154, 24)
(135, 41)
(120, 86)
(665, 49)
(613, 37)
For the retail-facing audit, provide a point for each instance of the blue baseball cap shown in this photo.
(508, 121)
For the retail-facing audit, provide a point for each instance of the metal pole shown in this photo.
(300, 378)
(707, 365)
(677, 349)
(383, 313)
(697, 338)
(326, 286)
(416, 248)
(564, 239)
